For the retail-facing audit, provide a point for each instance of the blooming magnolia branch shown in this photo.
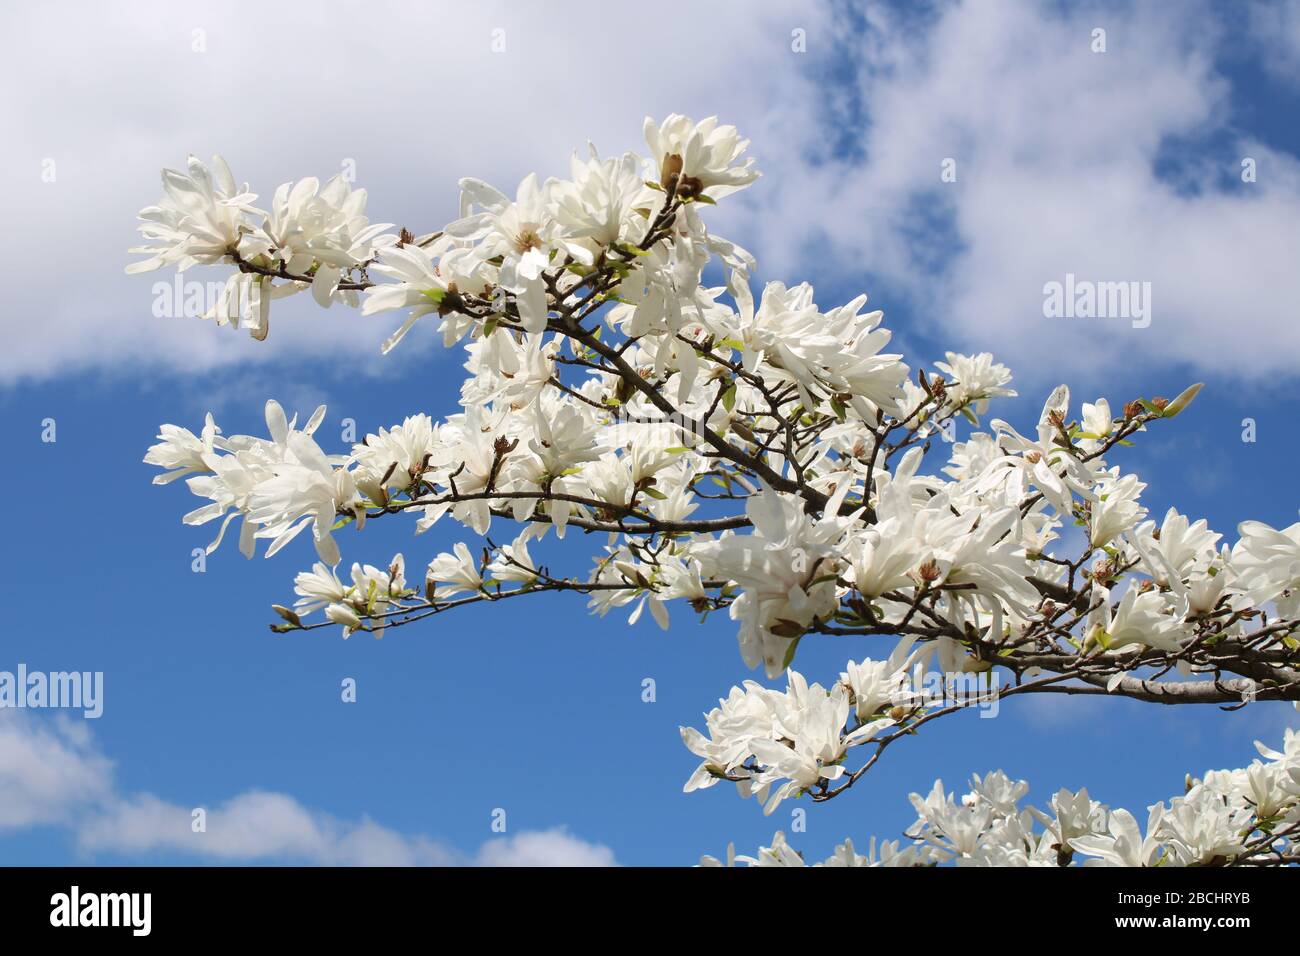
(768, 458)
(1228, 818)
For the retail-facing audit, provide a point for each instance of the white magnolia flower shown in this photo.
(1097, 424)
(1266, 563)
(307, 490)
(342, 614)
(1203, 827)
(786, 567)
(279, 487)
(418, 287)
(322, 232)
(182, 452)
(998, 791)
(1116, 509)
(597, 207)
(1076, 815)
(524, 234)
(513, 562)
(878, 685)
(317, 588)
(1176, 549)
(393, 459)
(1122, 843)
(748, 712)
(458, 571)
(1043, 464)
(780, 853)
(707, 156)
(975, 379)
(1143, 618)
(953, 829)
(204, 218)
(201, 219)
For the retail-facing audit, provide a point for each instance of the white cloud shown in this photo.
(51, 774)
(1068, 161)
(411, 93)
(548, 848)
(1275, 26)
(47, 772)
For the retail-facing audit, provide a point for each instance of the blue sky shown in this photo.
(1122, 165)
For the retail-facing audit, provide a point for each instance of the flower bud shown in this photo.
(785, 628)
(342, 614)
(670, 170)
(689, 187)
(288, 614)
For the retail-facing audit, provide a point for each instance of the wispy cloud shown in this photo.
(1275, 27)
(1122, 165)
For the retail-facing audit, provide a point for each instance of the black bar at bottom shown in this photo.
(300, 904)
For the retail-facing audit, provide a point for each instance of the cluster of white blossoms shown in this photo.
(767, 457)
(1229, 816)
(277, 486)
(776, 744)
(319, 235)
(371, 592)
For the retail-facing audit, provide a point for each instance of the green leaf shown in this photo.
(789, 653)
